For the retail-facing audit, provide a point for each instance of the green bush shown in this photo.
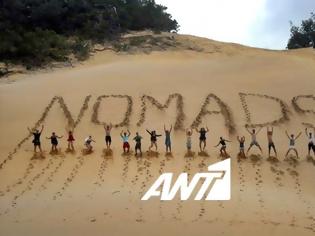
(35, 48)
(303, 36)
(81, 49)
(35, 32)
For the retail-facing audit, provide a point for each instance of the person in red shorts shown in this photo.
(125, 138)
(70, 141)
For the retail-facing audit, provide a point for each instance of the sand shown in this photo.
(99, 193)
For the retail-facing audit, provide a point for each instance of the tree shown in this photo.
(303, 36)
(40, 31)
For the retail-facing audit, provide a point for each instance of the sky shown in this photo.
(256, 23)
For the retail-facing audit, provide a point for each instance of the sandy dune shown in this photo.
(75, 194)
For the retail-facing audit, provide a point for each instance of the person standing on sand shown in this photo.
(70, 141)
(189, 133)
(125, 138)
(36, 139)
(292, 140)
(202, 138)
(223, 146)
(88, 143)
(108, 138)
(270, 141)
(254, 142)
(311, 141)
(138, 139)
(168, 139)
(54, 141)
(241, 140)
(153, 139)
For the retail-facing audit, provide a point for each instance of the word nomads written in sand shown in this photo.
(147, 101)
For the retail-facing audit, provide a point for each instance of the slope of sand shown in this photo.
(72, 194)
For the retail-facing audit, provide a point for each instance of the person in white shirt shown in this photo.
(254, 141)
(88, 143)
(292, 138)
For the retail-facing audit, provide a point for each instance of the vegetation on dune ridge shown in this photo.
(36, 32)
(303, 36)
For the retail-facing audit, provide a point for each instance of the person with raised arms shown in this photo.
(125, 137)
(202, 138)
(311, 141)
(168, 144)
(189, 133)
(292, 140)
(36, 138)
(271, 144)
(241, 141)
(138, 139)
(70, 141)
(108, 138)
(254, 141)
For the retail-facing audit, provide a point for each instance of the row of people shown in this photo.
(125, 136)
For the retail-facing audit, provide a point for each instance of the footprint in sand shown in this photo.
(139, 171)
(259, 181)
(56, 152)
(20, 180)
(190, 154)
(70, 151)
(70, 178)
(127, 154)
(273, 160)
(202, 166)
(149, 154)
(203, 154)
(31, 182)
(169, 155)
(86, 152)
(310, 159)
(101, 172)
(162, 165)
(255, 159)
(292, 161)
(125, 169)
(38, 156)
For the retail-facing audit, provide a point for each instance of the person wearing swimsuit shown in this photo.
(292, 140)
(108, 138)
(70, 141)
(223, 142)
(241, 141)
(36, 139)
(168, 139)
(54, 141)
(125, 138)
(311, 141)
(254, 142)
(138, 139)
(202, 138)
(189, 133)
(88, 143)
(153, 139)
(271, 144)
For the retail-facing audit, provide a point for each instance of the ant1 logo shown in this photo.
(217, 182)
